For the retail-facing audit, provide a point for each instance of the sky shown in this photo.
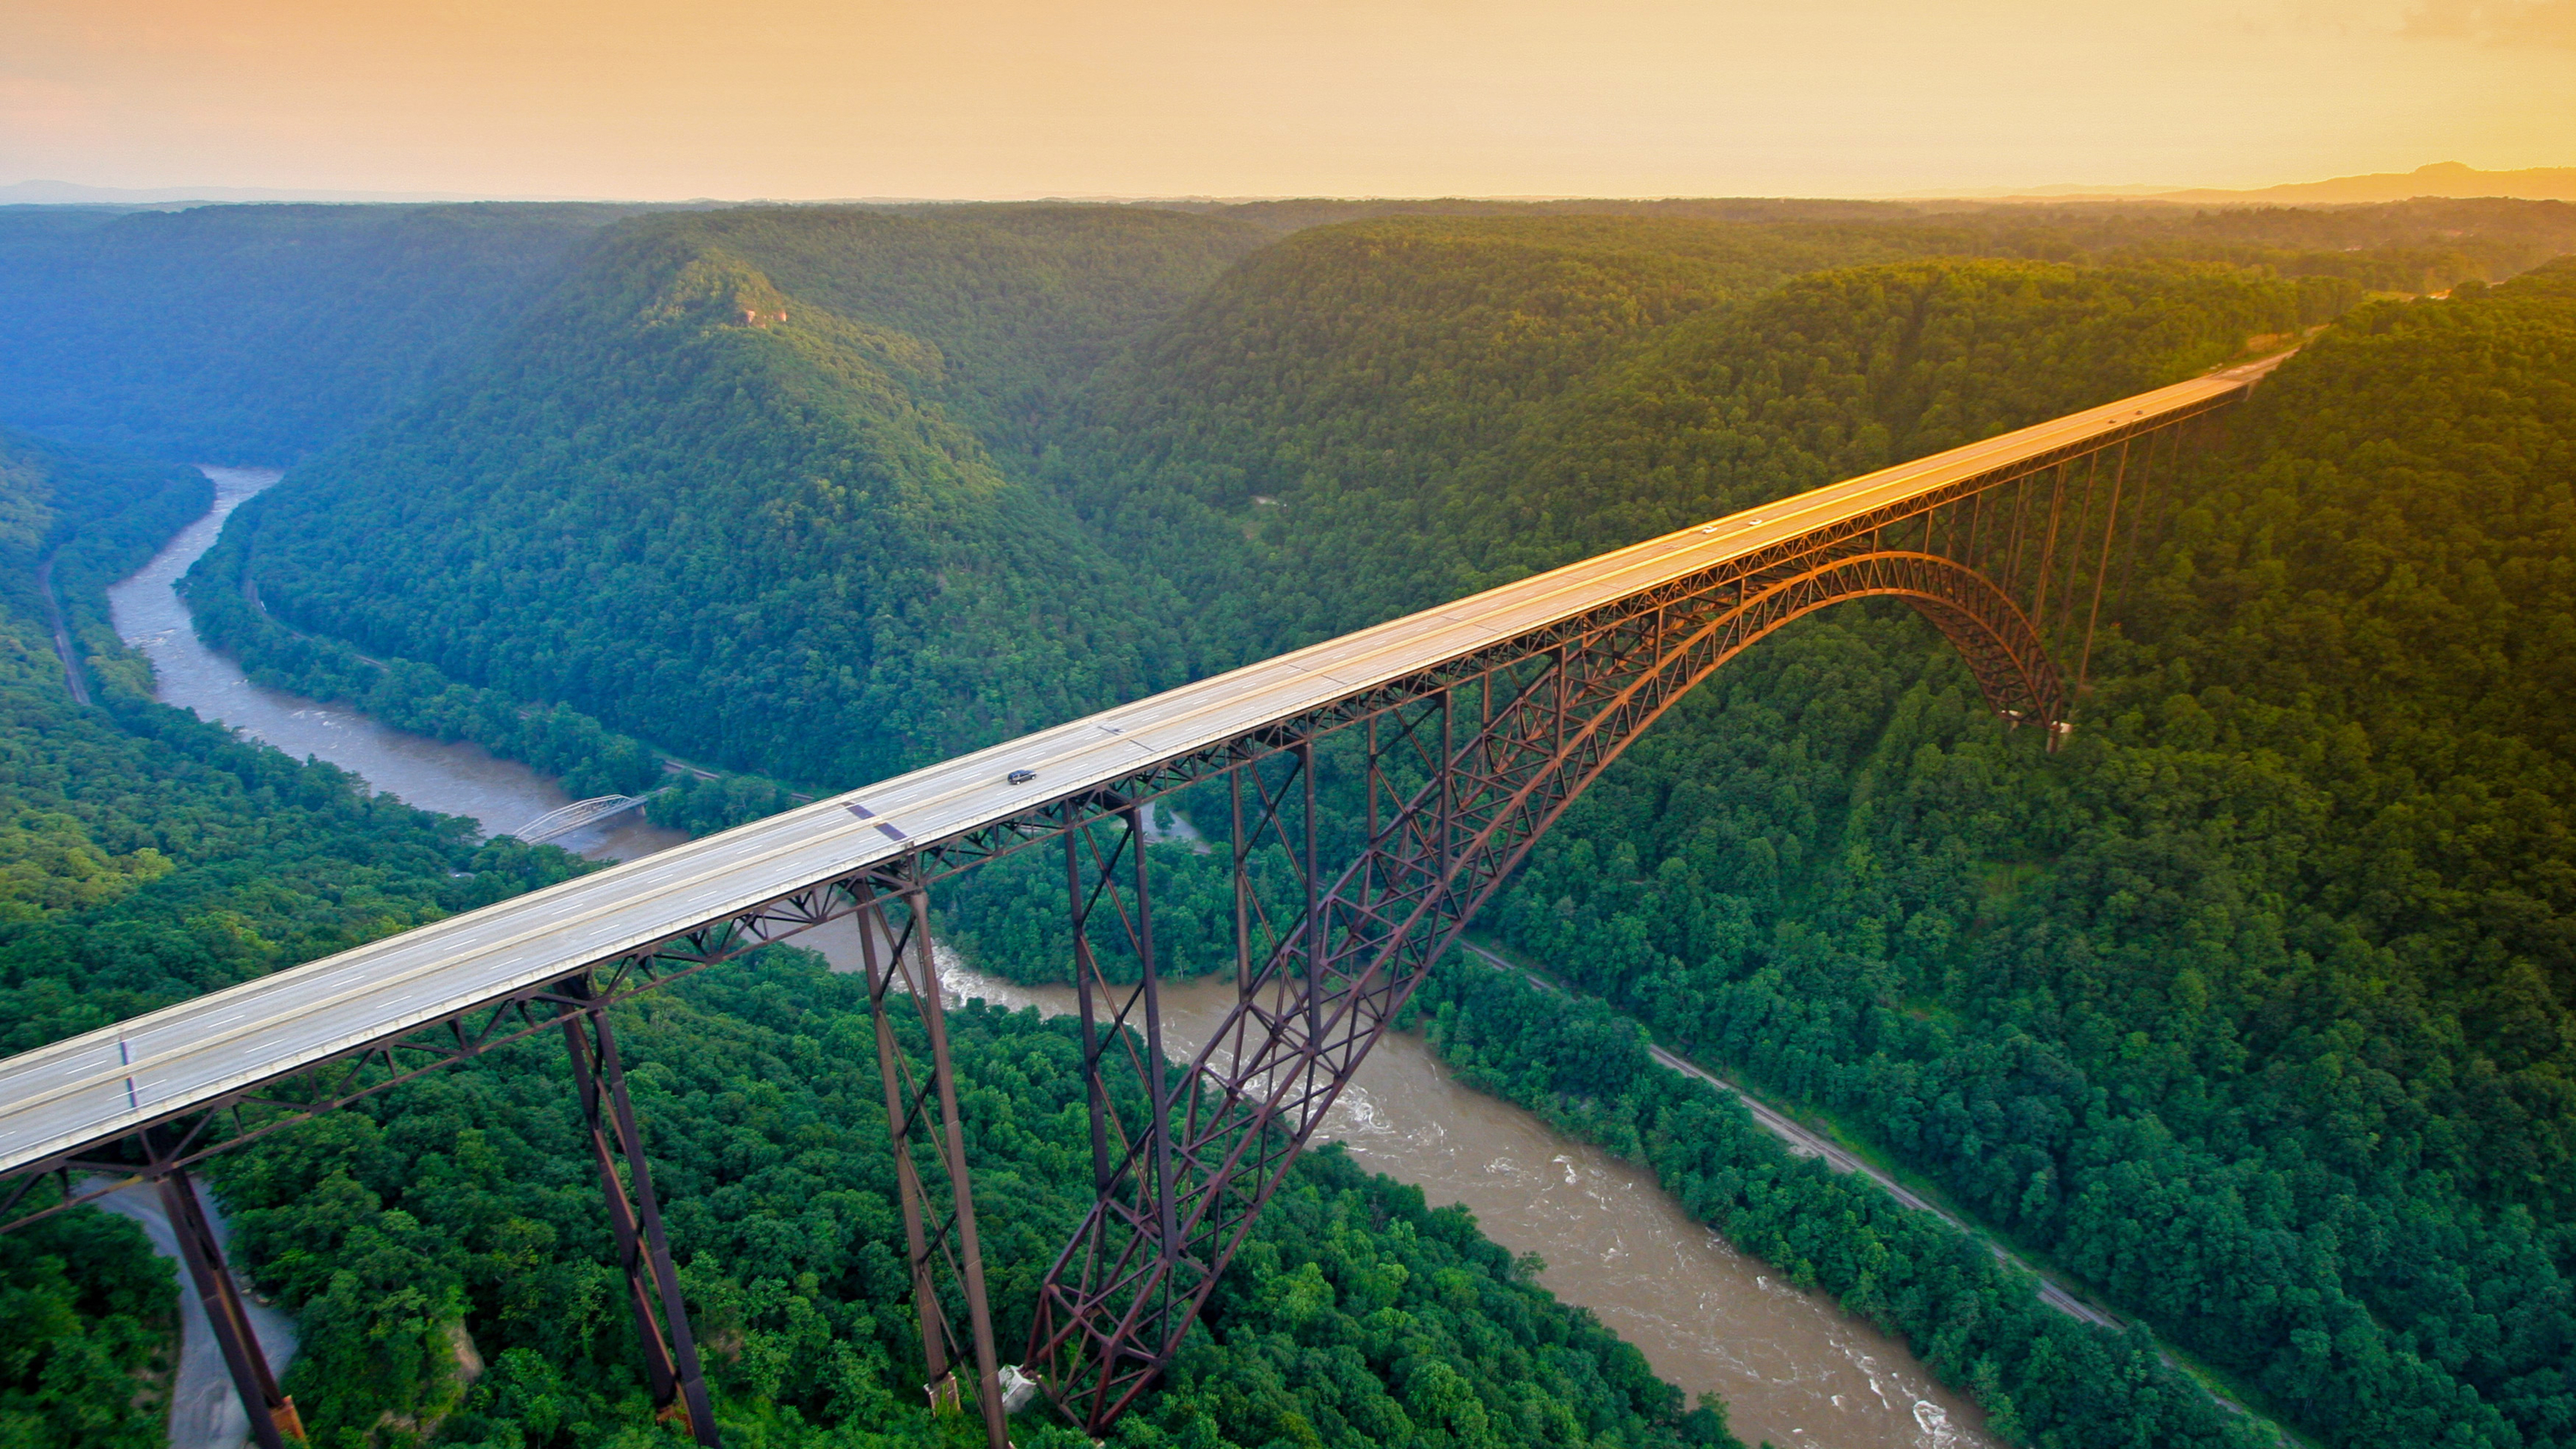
(650, 99)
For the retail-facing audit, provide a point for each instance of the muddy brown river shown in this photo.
(451, 778)
(1792, 1367)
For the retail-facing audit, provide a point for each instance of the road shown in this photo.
(72, 675)
(1808, 1144)
(205, 1411)
(98, 1086)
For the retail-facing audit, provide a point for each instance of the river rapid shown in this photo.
(1792, 1367)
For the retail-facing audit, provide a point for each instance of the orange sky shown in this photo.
(1002, 98)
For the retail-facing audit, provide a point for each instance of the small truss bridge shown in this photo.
(1467, 729)
(569, 818)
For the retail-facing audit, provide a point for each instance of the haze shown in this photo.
(1006, 98)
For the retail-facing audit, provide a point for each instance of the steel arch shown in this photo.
(1176, 1207)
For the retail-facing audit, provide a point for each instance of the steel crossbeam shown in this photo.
(1468, 753)
(922, 1120)
(1174, 1210)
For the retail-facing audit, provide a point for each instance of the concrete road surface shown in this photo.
(205, 1413)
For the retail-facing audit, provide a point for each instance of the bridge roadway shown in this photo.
(96, 1087)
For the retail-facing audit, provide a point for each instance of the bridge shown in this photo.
(563, 820)
(1468, 728)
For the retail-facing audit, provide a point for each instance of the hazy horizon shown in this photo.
(1004, 99)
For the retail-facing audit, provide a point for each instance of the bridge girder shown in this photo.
(1996, 561)
(1186, 1184)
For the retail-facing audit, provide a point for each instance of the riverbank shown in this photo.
(453, 778)
(1841, 1157)
(1792, 1366)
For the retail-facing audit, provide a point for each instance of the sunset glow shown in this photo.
(1006, 98)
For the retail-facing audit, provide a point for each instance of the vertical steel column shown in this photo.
(910, 964)
(2075, 554)
(2048, 557)
(1134, 1233)
(1449, 773)
(2101, 571)
(273, 1419)
(1374, 776)
(1158, 1067)
(900, 1117)
(961, 1193)
(2138, 508)
(600, 1078)
(2012, 560)
(1314, 919)
(1242, 883)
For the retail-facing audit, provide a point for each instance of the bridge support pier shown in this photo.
(924, 1113)
(643, 1252)
(273, 1420)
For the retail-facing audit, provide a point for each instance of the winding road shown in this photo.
(205, 1412)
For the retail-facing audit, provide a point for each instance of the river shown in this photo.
(1791, 1366)
(453, 779)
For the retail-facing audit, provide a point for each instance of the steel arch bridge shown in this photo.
(1467, 728)
(563, 820)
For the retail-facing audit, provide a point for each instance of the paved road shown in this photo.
(205, 1412)
(108, 1082)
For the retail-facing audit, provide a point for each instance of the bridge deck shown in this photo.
(108, 1082)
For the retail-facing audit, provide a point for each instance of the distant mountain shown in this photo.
(255, 334)
(72, 193)
(2441, 179)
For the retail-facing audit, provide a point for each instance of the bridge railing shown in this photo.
(1475, 723)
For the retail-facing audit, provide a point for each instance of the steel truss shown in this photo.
(634, 1215)
(922, 1121)
(1178, 1192)
(1466, 763)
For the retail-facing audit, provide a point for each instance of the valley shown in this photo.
(2249, 1005)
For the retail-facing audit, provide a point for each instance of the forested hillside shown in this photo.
(2252, 1007)
(1347, 383)
(145, 858)
(713, 496)
(444, 1248)
(255, 334)
(1300, 473)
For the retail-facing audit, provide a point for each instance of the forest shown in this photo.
(255, 334)
(444, 1250)
(2253, 1011)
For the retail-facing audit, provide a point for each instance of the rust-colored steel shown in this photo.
(1112, 1311)
(635, 1216)
(1184, 1161)
(273, 1419)
(922, 1120)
